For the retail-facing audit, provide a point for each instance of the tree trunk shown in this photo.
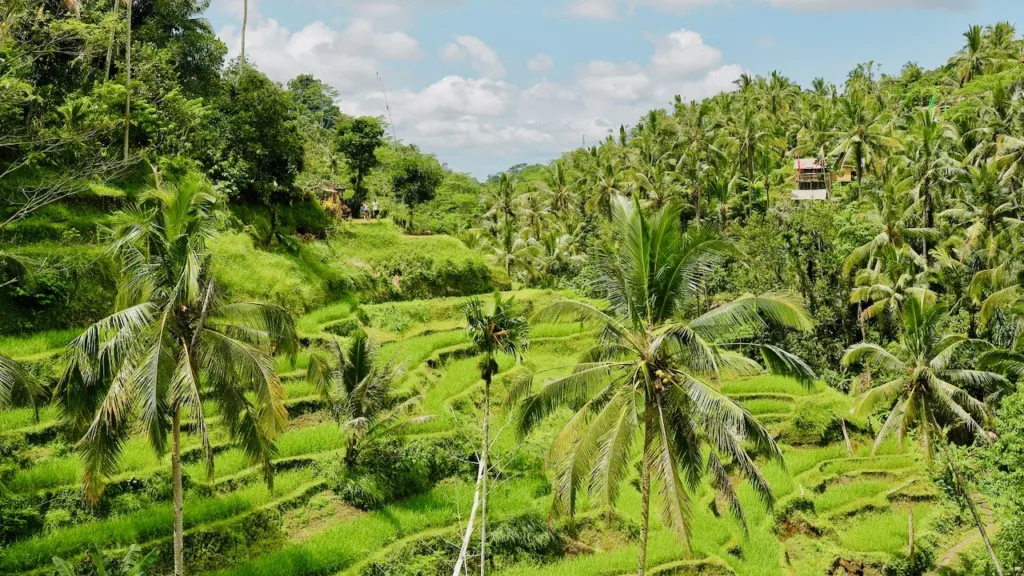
(245, 24)
(483, 479)
(178, 492)
(846, 437)
(962, 485)
(464, 551)
(645, 509)
(128, 80)
(697, 219)
(910, 531)
(860, 170)
(110, 46)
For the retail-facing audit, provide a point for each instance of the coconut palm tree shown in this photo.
(974, 58)
(172, 344)
(649, 375)
(922, 389)
(360, 390)
(608, 183)
(863, 135)
(128, 77)
(930, 143)
(18, 384)
(493, 332)
(892, 211)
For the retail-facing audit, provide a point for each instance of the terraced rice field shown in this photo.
(830, 504)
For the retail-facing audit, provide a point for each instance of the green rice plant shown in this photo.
(342, 545)
(886, 532)
(842, 495)
(148, 524)
(36, 345)
(16, 418)
(758, 406)
(770, 384)
(47, 473)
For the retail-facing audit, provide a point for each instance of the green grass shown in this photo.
(383, 241)
(39, 344)
(341, 545)
(145, 525)
(16, 418)
(414, 332)
(886, 532)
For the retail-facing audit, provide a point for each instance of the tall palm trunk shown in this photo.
(179, 496)
(645, 496)
(929, 213)
(978, 522)
(245, 23)
(110, 45)
(128, 80)
(697, 190)
(860, 169)
(483, 479)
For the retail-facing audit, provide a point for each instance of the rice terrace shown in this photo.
(261, 316)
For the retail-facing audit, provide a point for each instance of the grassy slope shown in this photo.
(856, 503)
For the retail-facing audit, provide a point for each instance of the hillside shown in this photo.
(779, 331)
(832, 508)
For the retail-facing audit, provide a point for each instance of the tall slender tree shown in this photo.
(172, 344)
(495, 331)
(649, 375)
(922, 390)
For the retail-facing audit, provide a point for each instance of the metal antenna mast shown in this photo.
(388, 106)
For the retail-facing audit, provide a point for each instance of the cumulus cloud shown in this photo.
(484, 122)
(483, 58)
(593, 9)
(480, 122)
(540, 63)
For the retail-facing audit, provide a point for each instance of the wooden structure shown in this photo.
(814, 179)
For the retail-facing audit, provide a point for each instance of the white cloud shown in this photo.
(483, 58)
(483, 124)
(674, 5)
(851, 5)
(684, 53)
(593, 9)
(348, 58)
(540, 63)
(479, 122)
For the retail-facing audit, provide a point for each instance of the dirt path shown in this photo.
(970, 539)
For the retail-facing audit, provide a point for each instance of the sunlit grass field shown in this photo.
(854, 501)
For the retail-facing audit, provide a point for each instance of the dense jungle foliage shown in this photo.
(211, 362)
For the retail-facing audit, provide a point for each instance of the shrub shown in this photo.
(344, 327)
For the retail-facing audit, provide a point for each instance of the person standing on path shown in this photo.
(376, 211)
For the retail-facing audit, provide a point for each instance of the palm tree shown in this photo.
(931, 140)
(171, 344)
(128, 79)
(749, 139)
(895, 277)
(110, 43)
(923, 390)
(608, 183)
(649, 375)
(973, 59)
(892, 211)
(17, 383)
(360, 391)
(501, 330)
(863, 135)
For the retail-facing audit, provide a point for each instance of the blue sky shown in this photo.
(486, 84)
